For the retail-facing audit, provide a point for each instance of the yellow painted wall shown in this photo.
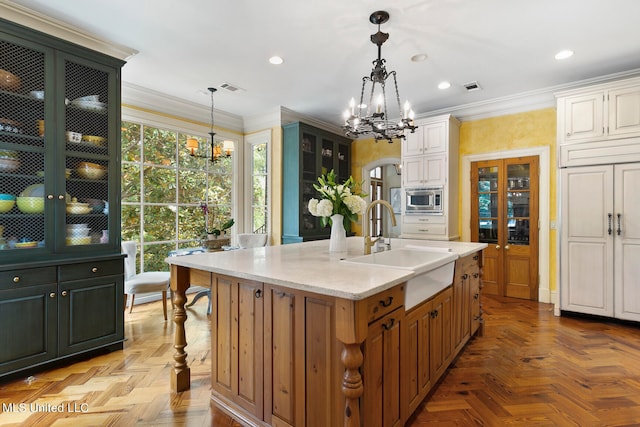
(517, 131)
(365, 151)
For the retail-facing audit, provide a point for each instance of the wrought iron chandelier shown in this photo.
(217, 152)
(375, 121)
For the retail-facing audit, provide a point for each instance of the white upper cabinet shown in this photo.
(599, 124)
(427, 139)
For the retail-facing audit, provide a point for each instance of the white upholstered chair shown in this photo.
(147, 282)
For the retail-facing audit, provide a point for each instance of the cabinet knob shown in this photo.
(258, 293)
(389, 324)
(497, 247)
(61, 197)
(476, 257)
(64, 293)
(568, 133)
(476, 275)
(94, 270)
(476, 296)
(52, 295)
(506, 248)
(434, 314)
(50, 196)
(16, 279)
(387, 302)
(465, 276)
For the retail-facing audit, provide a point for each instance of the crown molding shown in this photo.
(522, 102)
(153, 101)
(40, 22)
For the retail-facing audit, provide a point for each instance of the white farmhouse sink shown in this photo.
(433, 268)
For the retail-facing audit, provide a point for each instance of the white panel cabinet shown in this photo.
(600, 249)
(599, 124)
(430, 159)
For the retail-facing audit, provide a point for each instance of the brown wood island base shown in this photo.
(285, 356)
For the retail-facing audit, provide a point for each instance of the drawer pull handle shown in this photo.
(476, 257)
(94, 270)
(52, 295)
(476, 296)
(476, 275)
(16, 279)
(465, 276)
(389, 324)
(434, 314)
(387, 302)
(258, 293)
(64, 293)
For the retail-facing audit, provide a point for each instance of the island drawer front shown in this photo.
(28, 277)
(87, 270)
(426, 219)
(424, 228)
(385, 302)
(200, 278)
(470, 263)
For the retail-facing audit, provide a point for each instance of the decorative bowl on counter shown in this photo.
(7, 205)
(76, 208)
(91, 170)
(84, 240)
(30, 204)
(9, 81)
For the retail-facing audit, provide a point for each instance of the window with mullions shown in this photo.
(163, 187)
(259, 179)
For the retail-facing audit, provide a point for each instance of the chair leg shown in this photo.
(125, 302)
(133, 297)
(164, 304)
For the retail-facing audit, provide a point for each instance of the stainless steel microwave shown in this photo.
(421, 201)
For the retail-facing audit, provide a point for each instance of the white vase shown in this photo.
(338, 240)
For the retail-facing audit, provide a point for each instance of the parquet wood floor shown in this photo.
(530, 369)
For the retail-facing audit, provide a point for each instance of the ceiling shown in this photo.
(507, 46)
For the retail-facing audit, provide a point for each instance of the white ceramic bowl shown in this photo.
(72, 226)
(91, 170)
(84, 240)
(78, 232)
(78, 208)
(73, 136)
(8, 165)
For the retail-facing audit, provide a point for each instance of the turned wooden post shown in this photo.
(352, 386)
(181, 374)
(351, 331)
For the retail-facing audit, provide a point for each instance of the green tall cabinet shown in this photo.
(61, 268)
(308, 152)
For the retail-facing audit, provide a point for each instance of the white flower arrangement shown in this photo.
(337, 198)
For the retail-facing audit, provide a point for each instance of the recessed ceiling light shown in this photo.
(419, 57)
(564, 54)
(276, 60)
(444, 85)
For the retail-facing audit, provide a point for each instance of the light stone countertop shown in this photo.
(310, 267)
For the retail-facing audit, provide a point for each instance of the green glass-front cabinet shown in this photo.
(61, 268)
(308, 152)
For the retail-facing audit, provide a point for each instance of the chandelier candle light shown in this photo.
(217, 152)
(376, 122)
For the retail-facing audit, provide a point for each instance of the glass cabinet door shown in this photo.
(86, 155)
(518, 209)
(488, 204)
(22, 147)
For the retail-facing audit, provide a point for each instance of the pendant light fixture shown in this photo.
(217, 152)
(364, 119)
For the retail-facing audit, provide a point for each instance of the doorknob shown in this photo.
(506, 248)
(497, 247)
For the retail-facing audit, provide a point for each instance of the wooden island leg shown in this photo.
(181, 374)
(352, 386)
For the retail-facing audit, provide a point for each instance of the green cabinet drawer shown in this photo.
(89, 270)
(14, 279)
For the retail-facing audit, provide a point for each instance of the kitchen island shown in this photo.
(301, 337)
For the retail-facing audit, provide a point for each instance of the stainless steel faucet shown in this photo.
(368, 242)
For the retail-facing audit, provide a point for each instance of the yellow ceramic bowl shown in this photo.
(91, 170)
(72, 241)
(95, 140)
(78, 208)
(30, 204)
(26, 244)
(6, 205)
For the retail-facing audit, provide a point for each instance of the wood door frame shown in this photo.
(544, 154)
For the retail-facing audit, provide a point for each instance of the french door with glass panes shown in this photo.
(504, 214)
